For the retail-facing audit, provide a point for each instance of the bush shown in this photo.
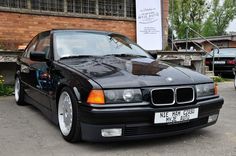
(217, 79)
(5, 90)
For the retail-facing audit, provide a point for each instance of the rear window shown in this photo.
(225, 52)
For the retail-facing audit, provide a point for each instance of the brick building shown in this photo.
(20, 20)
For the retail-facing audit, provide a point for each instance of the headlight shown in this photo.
(123, 96)
(206, 90)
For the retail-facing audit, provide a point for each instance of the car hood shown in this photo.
(117, 72)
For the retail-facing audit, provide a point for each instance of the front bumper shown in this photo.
(138, 122)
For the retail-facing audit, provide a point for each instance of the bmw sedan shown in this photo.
(100, 86)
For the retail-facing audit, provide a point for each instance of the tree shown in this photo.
(188, 13)
(209, 28)
(208, 18)
(219, 18)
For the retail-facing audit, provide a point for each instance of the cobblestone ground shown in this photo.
(25, 131)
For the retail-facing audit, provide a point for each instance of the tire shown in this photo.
(19, 93)
(68, 116)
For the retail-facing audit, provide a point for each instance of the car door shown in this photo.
(24, 66)
(40, 73)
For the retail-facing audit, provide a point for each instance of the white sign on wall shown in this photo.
(149, 24)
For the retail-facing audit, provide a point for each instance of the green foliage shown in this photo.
(219, 18)
(5, 90)
(208, 18)
(188, 13)
(217, 79)
(209, 28)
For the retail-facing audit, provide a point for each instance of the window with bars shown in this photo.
(47, 5)
(130, 8)
(14, 3)
(113, 8)
(81, 6)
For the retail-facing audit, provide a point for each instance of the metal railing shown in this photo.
(202, 37)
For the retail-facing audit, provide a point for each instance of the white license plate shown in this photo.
(176, 116)
(219, 62)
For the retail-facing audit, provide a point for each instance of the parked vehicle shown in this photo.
(225, 60)
(100, 86)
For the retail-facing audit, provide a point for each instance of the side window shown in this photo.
(30, 47)
(43, 44)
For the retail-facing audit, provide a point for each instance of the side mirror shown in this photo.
(39, 56)
(153, 54)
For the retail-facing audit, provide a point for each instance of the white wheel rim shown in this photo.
(17, 89)
(65, 113)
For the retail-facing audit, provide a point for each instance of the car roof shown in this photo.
(227, 49)
(222, 50)
(84, 30)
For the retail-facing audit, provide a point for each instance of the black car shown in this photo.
(100, 86)
(225, 60)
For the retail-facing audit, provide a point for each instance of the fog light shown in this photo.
(114, 132)
(212, 118)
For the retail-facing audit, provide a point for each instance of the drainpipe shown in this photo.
(172, 26)
(187, 31)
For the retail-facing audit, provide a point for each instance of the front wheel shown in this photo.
(68, 116)
(19, 92)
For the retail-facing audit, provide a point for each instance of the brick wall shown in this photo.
(208, 47)
(232, 44)
(19, 28)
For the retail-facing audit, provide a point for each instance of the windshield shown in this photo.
(72, 44)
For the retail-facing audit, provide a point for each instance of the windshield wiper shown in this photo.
(116, 55)
(125, 55)
(77, 56)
